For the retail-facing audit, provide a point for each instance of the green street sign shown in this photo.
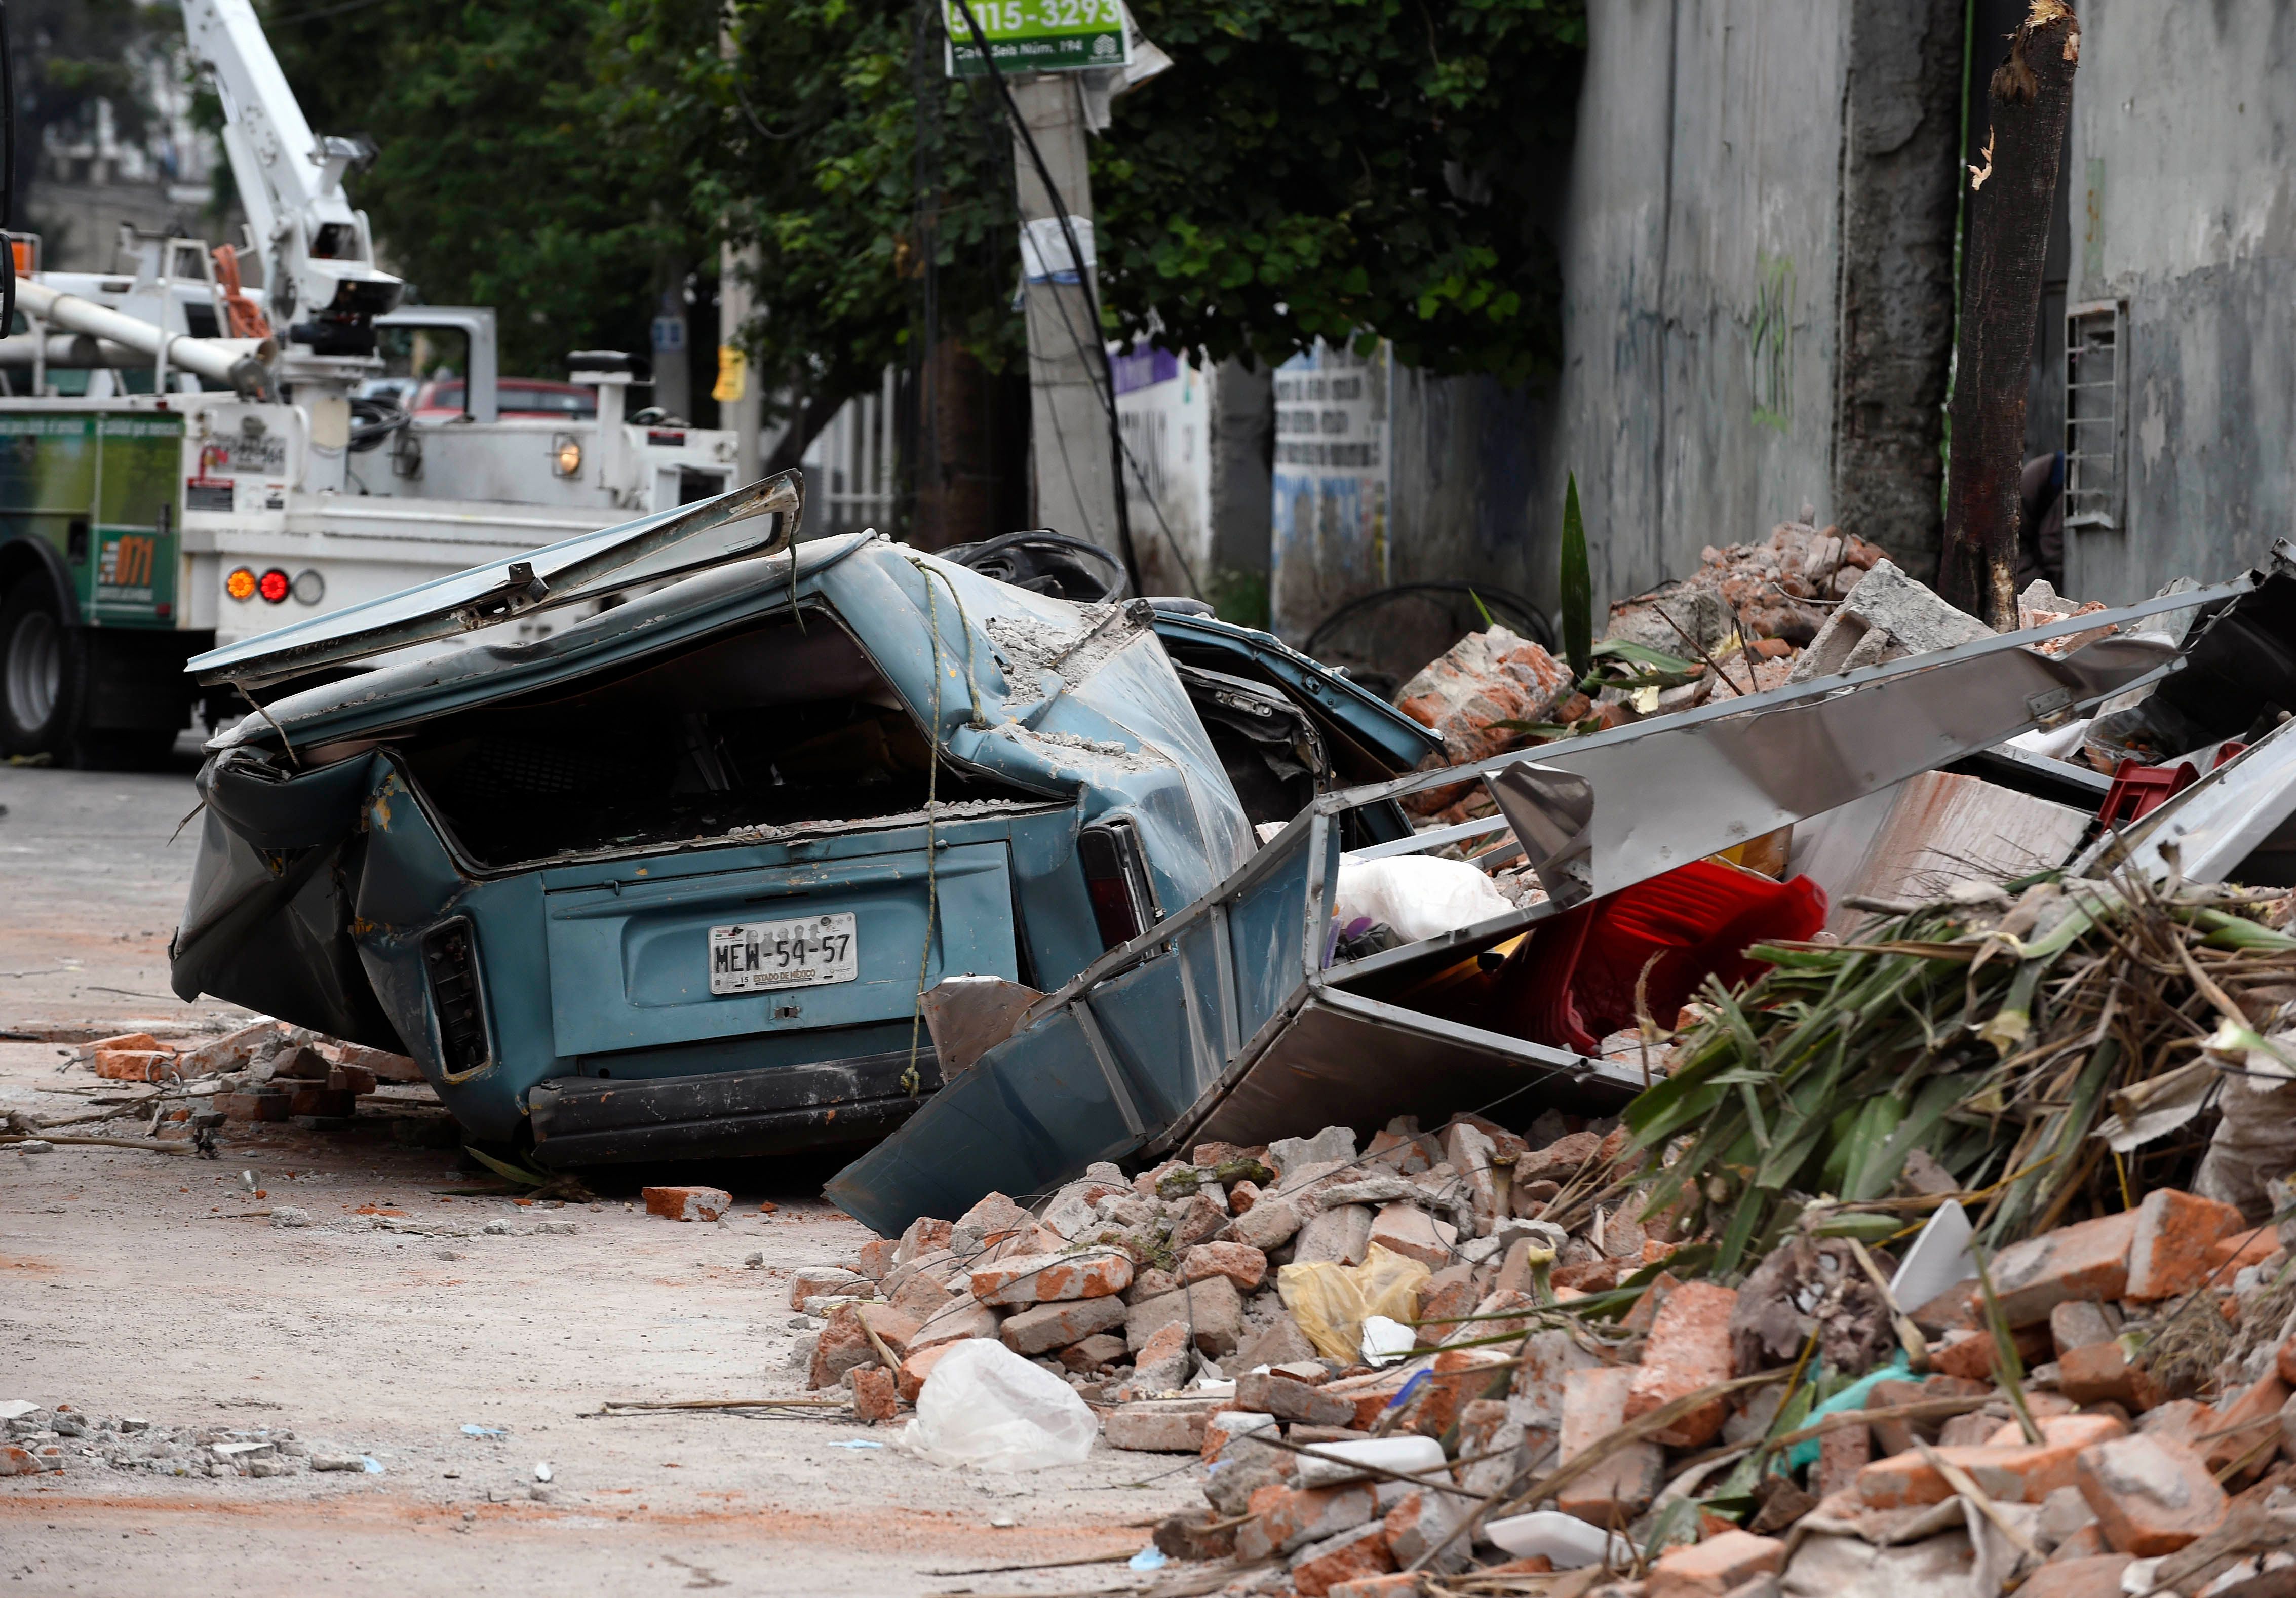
(1038, 35)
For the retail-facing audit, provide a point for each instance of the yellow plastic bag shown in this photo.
(1330, 1302)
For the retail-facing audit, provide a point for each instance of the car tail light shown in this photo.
(450, 960)
(274, 586)
(1116, 878)
(241, 583)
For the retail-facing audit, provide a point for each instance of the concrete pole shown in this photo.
(742, 413)
(1067, 425)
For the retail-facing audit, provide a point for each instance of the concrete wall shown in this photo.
(2184, 125)
(1757, 257)
(1756, 241)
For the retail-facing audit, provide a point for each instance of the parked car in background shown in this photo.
(442, 399)
(674, 878)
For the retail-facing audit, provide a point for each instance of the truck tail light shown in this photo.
(450, 960)
(1116, 879)
(274, 587)
(241, 583)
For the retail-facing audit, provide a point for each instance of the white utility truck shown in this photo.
(215, 471)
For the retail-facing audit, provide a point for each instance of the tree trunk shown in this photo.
(2006, 243)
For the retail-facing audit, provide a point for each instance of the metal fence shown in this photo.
(852, 466)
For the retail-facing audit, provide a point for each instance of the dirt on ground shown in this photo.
(453, 1341)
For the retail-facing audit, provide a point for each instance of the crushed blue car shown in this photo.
(672, 880)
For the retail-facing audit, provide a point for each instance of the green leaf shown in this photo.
(1577, 585)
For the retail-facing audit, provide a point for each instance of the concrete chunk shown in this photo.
(1211, 1309)
(1342, 1235)
(1048, 1326)
(1407, 1230)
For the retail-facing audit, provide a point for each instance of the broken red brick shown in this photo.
(877, 1257)
(875, 1394)
(1240, 1263)
(151, 1064)
(1349, 1557)
(1622, 1487)
(2088, 1259)
(2152, 1495)
(1710, 1569)
(924, 1235)
(687, 1203)
(1285, 1518)
(916, 1368)
(2013, 1473)
(2169, 1251)
(1224, 1427)
(2229, 1256)
(1688, 1348)
(1163, 1427)
(1457, 1378)
(1097, 1352)
(1400, 1584)
(1841, 1455)
(1290, 1400)
(19, 1461)
(1045, 1327)
(1047, 1279)
(2075, 1576)
(2248, 1428)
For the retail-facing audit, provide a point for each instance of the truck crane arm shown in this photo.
(317, 254)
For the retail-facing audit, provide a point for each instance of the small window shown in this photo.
(2094, 409)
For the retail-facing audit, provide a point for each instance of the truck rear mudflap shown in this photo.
(581, 1121)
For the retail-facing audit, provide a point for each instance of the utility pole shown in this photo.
(740, 400)
(1068, 427)
(2012, 190)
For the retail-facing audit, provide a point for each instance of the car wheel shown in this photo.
(39, 673)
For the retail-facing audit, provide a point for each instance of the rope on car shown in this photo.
(910, 1080)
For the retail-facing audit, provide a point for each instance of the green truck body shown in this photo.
(104, 491)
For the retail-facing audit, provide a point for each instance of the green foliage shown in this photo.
(494, 184)
(1343, 167)
(1577, 585)
(1361, 169)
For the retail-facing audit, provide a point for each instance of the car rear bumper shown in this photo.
(588, 1120)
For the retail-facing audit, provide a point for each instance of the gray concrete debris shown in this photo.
(1888, 615)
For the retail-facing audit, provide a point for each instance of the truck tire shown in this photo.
(42, 675)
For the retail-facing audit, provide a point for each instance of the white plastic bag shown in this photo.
(1418, 896)
(986, 1407)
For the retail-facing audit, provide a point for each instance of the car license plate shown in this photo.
(757, 956)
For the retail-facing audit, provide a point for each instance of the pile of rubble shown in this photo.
(1460, 1357)
(1232, 1260)
(269, 1071)
(46, 1439)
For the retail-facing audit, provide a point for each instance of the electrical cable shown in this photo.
(1096, 360)
(1120, 453)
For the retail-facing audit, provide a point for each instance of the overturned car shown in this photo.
(674, 878)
